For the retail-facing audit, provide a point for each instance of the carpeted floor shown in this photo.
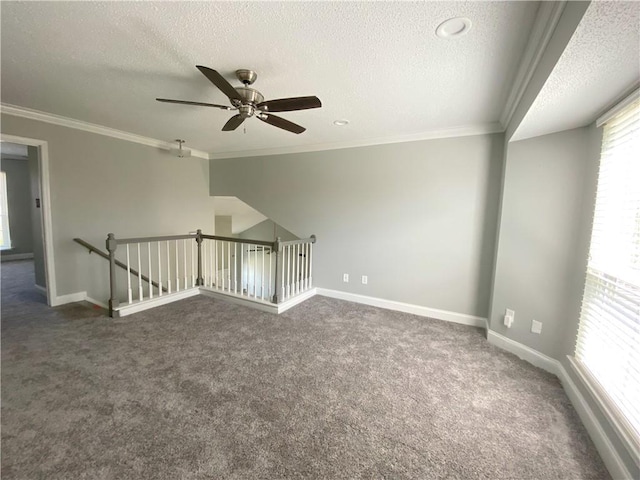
(207, 390)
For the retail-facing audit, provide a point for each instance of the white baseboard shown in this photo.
(69, 298)
(97, 302)
(125, 310)
(292, 302)
(603, 444)
(605, 448)
(16, 256)
(528, 354)
(445, 315)
(239, 300)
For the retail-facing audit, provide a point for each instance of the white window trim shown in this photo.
(616, 419)
(609, 409)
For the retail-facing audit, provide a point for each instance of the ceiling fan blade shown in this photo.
(219, 81)
(281, 123)
(187, 102)
(233, 123)
(290, 104)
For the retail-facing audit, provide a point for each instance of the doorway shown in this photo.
(26, 216)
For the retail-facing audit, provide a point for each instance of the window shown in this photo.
(5, 237)
(608, 344)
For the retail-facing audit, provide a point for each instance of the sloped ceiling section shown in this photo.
(243, 216)
(600, 62)
(377, 64)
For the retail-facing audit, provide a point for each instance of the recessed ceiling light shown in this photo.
(454, 27)
(341, 123)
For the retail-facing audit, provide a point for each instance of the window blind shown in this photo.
(608, 343)
(5, 237)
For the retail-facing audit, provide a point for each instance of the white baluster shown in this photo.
(213, 257)
(222, 280)
(215, 263)
(282, 283)
(298, 268)
(177, 267)
(270, 260)
(128, 276)
(303, 267)
(229, 266)
(184, 257)
(205, 265)
(288, 271)
(159, 271)
(139, 275)
(310, 265)
(262, 275)
(168, 268)
(306, 266)
(150, 271)
(235, 267)
(193, 264)
(255, 271)
(242, 276)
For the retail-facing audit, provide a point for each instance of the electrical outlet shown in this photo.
(365, 279)
(345, 278)
(536, 326)
(509, 317)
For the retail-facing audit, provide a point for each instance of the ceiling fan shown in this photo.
(250, 102)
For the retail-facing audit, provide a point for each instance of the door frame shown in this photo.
(45, 208)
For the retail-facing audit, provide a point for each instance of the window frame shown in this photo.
(628, 435)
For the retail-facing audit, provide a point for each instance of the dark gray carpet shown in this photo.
(203, 389)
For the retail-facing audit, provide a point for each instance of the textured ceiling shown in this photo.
(378, 64)
(601, 62)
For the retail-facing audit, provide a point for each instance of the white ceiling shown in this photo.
(242, 215)
(601, 61)
(378, 64)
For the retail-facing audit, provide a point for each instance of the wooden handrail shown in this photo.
(95, 249)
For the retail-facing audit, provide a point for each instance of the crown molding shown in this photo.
(45, 117)
(547, 19)
(464, 131)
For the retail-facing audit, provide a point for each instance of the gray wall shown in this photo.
(545, 227)
(18, 201)
(223, 227)
(541, 245)
(101, 185)
(267, 230)
(36, 217)
(418, 218)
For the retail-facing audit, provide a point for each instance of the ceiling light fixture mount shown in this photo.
(341, 123)
(454, 27)
(180, 152)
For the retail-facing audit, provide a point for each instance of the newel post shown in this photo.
(277, 248)
(113, 298)
(199, 241)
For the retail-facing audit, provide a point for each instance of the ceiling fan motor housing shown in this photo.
(250, 98)
(250, 102)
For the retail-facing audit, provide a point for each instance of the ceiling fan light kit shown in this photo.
(249, 102)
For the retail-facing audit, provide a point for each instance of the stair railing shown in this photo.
(259, 271)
